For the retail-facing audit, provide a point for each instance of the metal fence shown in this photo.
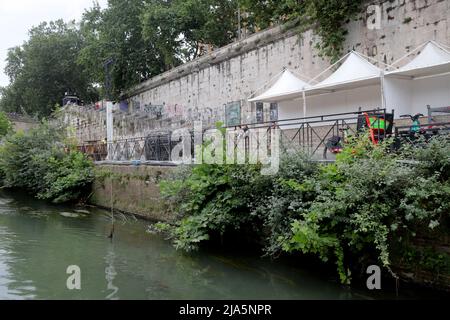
(421, 133)
(309, 134)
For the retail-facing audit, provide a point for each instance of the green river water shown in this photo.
(39, 241)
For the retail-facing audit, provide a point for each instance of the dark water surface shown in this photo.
(39, 241)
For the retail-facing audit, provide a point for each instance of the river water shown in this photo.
(38, 242)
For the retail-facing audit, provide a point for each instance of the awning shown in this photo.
(433, 60)
(287, 87)
(355, 72)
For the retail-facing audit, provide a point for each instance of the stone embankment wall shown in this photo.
(215, 87)
(135, 190)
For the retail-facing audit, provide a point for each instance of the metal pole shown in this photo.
(239, 23)
(383, 98)
(304, 104)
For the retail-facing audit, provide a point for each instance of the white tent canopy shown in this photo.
(433, 60)
(424, 80)
(287, 87)
(356, 71)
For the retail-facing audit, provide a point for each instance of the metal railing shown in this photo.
(423, 132)
(308, 134)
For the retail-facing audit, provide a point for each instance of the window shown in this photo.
(259, 112)
(274, 112)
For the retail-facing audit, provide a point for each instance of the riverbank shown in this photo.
(132, 189)
(136, 191)
(139, 265)
(367, 208)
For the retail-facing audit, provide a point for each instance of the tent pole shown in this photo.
(409, 53)
(329, 68)
(383, 99)
(266, 83)
(304, 104)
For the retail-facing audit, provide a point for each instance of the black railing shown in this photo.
(419, 133)
(308, 134)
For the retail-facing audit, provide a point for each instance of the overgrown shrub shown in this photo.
(44, 163)
(370, 198)
(215, 199)
(353, 211)
(5, 125)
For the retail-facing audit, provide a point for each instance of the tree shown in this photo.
(261, 14)
(43, 69)
(116, 32)
(5, 125)
(328, 18)
(180, 28)
(147, 37)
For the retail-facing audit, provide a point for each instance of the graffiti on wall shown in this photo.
(123, 106)
(154, 111)
(163, 115)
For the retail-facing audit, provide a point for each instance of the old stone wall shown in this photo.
(86, 123)
(219, 84)
(215, 87)
(135, 190)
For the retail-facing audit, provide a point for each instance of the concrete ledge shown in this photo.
(132, 189)
(136, 163)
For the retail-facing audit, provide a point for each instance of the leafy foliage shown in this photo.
(43, 69)
(327, 17)
(147, 37)
(41, 162)
(215, 199)
(5, 125)
(361, 208)
(179, 28)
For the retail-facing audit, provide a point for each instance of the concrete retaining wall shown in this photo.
(135, 190)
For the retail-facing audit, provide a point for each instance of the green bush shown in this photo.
(356, 210)
(5, 125)
(371, 198)
(43, 162)
(214, 199)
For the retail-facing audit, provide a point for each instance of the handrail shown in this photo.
(311, 117)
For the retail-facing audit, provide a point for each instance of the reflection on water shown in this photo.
(37, 244)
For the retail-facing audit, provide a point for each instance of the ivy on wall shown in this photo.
(331, 17)
(328, 18)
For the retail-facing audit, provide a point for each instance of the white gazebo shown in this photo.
(287, 87)
(285, 91)
(424, 80)
(356, 83)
